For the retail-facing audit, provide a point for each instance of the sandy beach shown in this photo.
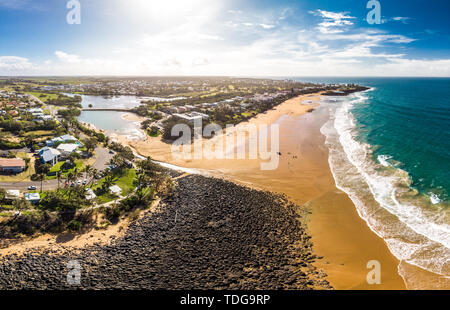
(338, 233)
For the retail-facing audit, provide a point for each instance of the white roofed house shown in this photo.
(192, 116)
(90, 194)
(49, 155)
(116, 190)
(35, 111)
(63, 139)
(66, 149)
(12, 194)
(33, 198)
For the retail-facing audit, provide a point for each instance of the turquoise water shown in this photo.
(389, 151)
(406, 121)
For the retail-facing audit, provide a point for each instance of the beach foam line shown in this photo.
(418, 237)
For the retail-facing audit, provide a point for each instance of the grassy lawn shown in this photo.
(43, 99)
(125, 182)
(39, 133)
(56, 168)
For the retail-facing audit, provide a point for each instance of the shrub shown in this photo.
(74, 225)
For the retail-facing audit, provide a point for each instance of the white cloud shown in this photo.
(266, 26)
(401, 19)
(414, 67)
(14, 63)
(14, 4)
(333, 22)
(67, 57)
(207, 41)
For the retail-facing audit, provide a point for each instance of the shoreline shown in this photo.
(256, 243)
(307, 179)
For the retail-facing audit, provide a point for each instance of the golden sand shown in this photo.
(76, 241)
(339, 234)
(133, 117)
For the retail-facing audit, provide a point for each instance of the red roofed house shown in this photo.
(12, 165)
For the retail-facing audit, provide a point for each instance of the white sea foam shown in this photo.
(413, 233)
(383, 159)
(435, 198)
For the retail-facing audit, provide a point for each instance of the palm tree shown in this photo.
(40, 177)
(93, 174)
(88, 170)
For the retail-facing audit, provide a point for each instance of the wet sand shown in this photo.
(338, 233)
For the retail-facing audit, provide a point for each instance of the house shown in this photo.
(173, 109)
(66, 149)
(12, 194)
(12, 165)
(49, 155)
(46, 117)
(35, 111)
(90, 194)
(116, 190)
(62, 139)
(191, 117)
(33, 198)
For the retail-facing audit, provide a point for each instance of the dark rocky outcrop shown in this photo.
(211, 234)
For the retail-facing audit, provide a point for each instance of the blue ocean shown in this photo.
(407, 122)
(389, 150)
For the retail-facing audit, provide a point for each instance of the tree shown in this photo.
(44, 169)
(117, 161)
(40, 177)
(92, 175)
(90, 144)
(88, 170)
(58, 176)
(2, 194)
(58, 201)
(21, 204)
(109, 181)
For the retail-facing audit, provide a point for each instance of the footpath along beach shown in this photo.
(338, 233)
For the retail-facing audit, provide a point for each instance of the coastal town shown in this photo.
(60, 175)
(45, 149)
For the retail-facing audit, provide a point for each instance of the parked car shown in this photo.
(111, 152)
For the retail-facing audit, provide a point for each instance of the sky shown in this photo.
(225, 37)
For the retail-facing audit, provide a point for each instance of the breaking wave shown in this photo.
(414, 226)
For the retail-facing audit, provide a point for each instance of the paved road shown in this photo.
(103, 158)
(101, 161)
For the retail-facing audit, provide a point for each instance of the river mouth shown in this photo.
(113, 123)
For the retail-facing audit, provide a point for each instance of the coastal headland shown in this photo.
(338, 233)
(335, 256)
(210, 234)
